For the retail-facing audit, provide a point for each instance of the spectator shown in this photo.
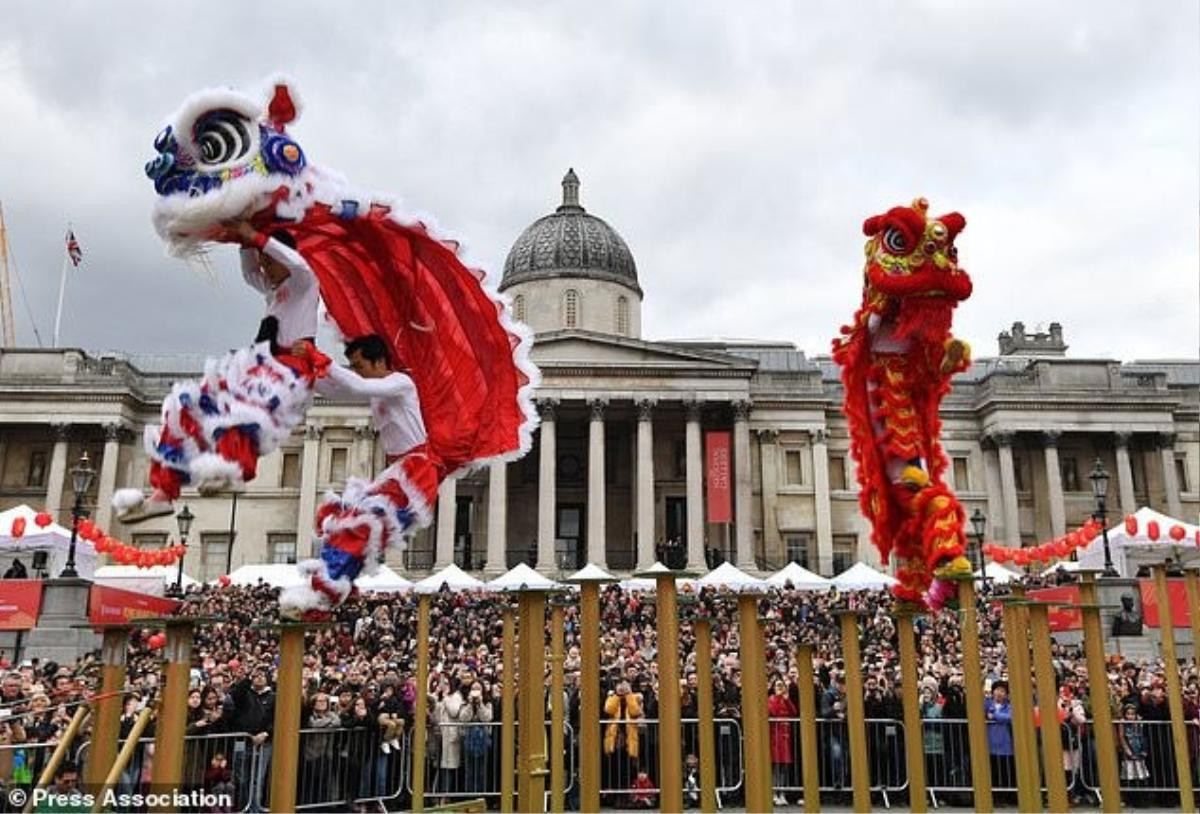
(998, 714)
(780, 705)
(253, 712)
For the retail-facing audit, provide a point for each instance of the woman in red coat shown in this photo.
(780, 706)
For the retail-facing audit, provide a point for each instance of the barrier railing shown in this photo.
(20, 765)
(342, 766)
(1145, 757)
(885, 755)
(629, 760)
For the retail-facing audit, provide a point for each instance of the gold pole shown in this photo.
(754, 707)
(289, 690)
(702, 628)
(1029, 796)
(107, 708)
(421, 712)
(1102, 723)
(557, 746)
(1192, 580)
(589, 697)
(123, 758)
(860, 773)
(981, 770)
(60, 751)
(670, 762)
(508, 712)
(914, 734)
(808, 727)
(167, 768)
(531, 784)
(1047, 698)
(1166, 629)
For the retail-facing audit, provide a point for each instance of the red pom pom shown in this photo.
(224, 580)
(43, 519)
(1152, 529)
(1177, 533)
(1131, 525)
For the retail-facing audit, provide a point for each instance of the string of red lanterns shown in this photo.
(1049, 552)
(121, 553)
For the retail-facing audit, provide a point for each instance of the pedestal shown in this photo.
(59, 636)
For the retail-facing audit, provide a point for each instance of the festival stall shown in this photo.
(152, 581)
(862, 577)
(997, 573)
(728, 575)
(522, 578)
(24, 532)
(383, 581)
(799, 578)
(1146, 537)
(451, 577)
(277, 575)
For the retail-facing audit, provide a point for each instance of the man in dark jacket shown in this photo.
(253, 711)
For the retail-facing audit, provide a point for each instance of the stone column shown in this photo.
(597, 533)
(991, 479)
(547, 486)
(645, 484)
(56, 478)
(1166, 448)
(695, 487)
(1058, 512)
(1008, 489)
(447, 511)
(742, 517)
(497, 519)
(306, 514)
(823, 511)
(769, 471)
(1124, 473)
(108, 475)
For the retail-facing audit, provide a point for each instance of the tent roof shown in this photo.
(1117, 535)
(799, 576)
(998, 573)
(167, 573)
(452, 576)
(522, 578)
(277, 575)
(729, 575)
(384, 580)
(591, 573)
(861, 576)
(32, 530)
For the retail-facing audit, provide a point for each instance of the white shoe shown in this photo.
(395, 742)
(386, 747)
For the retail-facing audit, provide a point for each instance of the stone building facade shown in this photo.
(618, 465)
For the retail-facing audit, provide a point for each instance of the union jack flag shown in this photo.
(73, 251)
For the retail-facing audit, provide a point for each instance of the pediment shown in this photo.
(600, 350)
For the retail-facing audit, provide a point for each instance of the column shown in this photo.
(743, 518)
(1166, 448)
(823, 513)
(695, 487)
(1058, 513)
(447, 512)
(1124, 474)
(769, 472)
(58, 471)
(306, 514)
(108, 475)
(364, 451)
(1008, 489)
(991, 478)
(547, 486)
(597, 533)
(645, 484)
(497, 518)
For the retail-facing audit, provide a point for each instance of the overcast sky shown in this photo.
(736, 147)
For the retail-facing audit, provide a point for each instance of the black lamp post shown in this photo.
(81, 481)
(1099, 479)
(184, 521)
(979, 526)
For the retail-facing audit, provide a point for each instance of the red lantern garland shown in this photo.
(1051, 551)
(120, 552)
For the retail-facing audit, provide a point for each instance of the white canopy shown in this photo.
(383, 581)
(591, 572)
(451, 576)
(53, 539)
(1066, 566)
(645, 580)
(998, 574)
(862, 577)
(277, 575)
(522, 578)
(153, 580)
(728, 575)
(1129, 551)
(800, 578)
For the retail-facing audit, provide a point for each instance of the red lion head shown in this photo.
(912, 255)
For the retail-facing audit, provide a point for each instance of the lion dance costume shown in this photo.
(225, 156)
(896, 361)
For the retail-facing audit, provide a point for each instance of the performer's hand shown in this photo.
(300, 349)
(956, 356)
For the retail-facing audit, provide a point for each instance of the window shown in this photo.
(571, 308)
(214, 554)
(799, 550)
(148, 540)
(337, 464)
(623, 315)
(844, 549)
(793, 473)
(36, 476)
(519, 307)
(1181, 475)
(1069, 467)
(837, 473)
(680, 450)
(289, 471)
(281, 547)
(1137, 466)
(962, 474)
(1019, 478)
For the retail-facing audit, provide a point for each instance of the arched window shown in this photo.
(571, 308)
(519, 307)
(623, 315)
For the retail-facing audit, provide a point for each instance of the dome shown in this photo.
(570, 243)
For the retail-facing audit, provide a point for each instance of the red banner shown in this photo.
(1066, 616)
(719, 468)
(1176, 596)
(113, 606)
(20, 603)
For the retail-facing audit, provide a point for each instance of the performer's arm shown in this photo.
(252, 273)
(301, 276)
(344, 383)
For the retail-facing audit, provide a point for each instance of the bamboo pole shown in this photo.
(107, 707)
(531, 732)
(1166, 629)
(860, 773)
(914, 735)
(1047, 698)
(670, 761)
(808, 727)
(1029, 796)
(557, 745)
(589, 697)
(702, 628)
(171, 726)
(981, 770)
(123, 757)
(1102, 723)
(508, 712)
(59, 754)
(1192, 581)
(754, 706)
(289, 693)
(421, 712)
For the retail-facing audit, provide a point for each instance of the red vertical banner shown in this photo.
(1066, 616)
(1176, 595)
(719, 472)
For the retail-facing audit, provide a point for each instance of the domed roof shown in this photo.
(570, 243)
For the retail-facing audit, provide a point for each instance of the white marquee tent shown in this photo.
(522, 577)
(451, 576)
(383, 581)
(998, 574)
(53, 539)
(277, 575)
(1130, 551)
(728, 575)
(800, 578)
(862, 577)
(153, 580)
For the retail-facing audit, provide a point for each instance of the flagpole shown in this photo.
(62, 291)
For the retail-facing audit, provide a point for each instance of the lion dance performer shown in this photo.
(896, 361)
(225, 158)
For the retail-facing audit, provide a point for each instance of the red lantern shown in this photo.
(1131, 525)
(1021, 557)
(224, 580)
(101, 545)
(158, 640)
(1177, 533)
(1152, 529)
(1089, 532)
(43, 519)
(18, 527)
(86, 529)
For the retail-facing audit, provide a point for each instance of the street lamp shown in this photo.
(979, 526)
(184, 521)
(81, 481)
(1099, 479)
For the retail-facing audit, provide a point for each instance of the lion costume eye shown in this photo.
(222, 136)
(894, 241)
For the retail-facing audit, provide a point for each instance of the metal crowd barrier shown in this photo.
(20, 766)
(885, 755)
(629, 760)
(343, 766)
(1146, 772)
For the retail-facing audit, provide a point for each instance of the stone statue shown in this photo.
(1128, 622)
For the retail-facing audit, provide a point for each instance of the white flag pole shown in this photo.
(62, 291)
